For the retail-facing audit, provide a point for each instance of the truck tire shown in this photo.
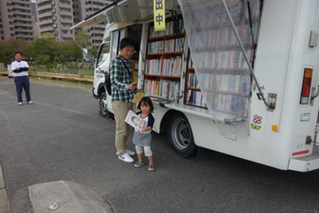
(103, 107)
(180, 135)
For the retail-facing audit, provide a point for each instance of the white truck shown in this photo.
(238, 77)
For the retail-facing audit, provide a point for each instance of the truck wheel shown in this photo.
(180, 136)
(103, 107)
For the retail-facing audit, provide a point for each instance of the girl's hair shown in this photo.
(147, 101)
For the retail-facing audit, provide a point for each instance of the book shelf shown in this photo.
(193, 95)
(164, 60)
(221, 68)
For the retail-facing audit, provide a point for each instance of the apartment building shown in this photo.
(57, 16)
(16, 20)
(84, 8)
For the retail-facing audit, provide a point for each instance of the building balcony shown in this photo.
(46, 14)
(66, 21)
(46, 29)
(22, 24)
(20, 2)
(23, 36)
(22, 7)
(47, 21)
(23, 31)
(20, 18)
(97, 38)
(44, 1)
(65, 27)
(21, 12)
(65, 5)
(45, 7)
(67, 13)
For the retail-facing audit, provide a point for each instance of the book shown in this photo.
(138, 96)
(134, 120)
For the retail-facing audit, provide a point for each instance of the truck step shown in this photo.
(305, 163)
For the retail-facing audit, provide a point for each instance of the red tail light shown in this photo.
(306, 86)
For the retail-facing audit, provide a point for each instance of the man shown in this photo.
(122, 94)
(21, 79)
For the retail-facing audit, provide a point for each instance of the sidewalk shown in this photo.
(4, 204)
(68, 196)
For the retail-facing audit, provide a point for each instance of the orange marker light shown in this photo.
(274, 128)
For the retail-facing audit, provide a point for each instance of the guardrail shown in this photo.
(57, 76)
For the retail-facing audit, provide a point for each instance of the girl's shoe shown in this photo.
(138, 164)
(151, 167)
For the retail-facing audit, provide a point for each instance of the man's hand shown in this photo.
(132, 86)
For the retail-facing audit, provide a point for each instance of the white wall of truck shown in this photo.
(283, 52)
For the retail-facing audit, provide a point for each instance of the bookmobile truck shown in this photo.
(239, 77)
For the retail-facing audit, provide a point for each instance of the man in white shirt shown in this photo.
(21, 78)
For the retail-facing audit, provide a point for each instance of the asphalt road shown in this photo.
(62, 137)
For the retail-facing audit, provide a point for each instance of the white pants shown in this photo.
(147, 150)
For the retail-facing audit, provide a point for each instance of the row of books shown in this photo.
(237, 84)
(172, 66)
(230, 103)
(168, 67)
(163, 89)
(223, 59)
(174, 45)
(195, 98)
(169, 29)
(193, 80)
(153, 67)
(171, 45)
(155, 47)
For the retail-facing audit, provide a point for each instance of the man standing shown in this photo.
(122, 89)
(21, 79)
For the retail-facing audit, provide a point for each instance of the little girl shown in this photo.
(142, 138)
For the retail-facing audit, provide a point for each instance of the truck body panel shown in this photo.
(283, 137)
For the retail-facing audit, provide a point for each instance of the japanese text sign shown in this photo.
(159, 15)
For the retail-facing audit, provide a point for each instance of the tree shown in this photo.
(48, 36)
(44, 46)
(69, 49)
(12, 45)
(93, 52)
(83, 39)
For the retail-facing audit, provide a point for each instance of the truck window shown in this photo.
(104, 54)
(116, 38)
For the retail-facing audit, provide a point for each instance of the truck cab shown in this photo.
(109, 49)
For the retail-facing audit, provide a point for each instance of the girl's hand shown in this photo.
(142, 131)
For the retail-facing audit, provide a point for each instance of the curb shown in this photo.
(4, 203)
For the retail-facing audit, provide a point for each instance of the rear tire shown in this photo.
(104, 112)
(180, 136)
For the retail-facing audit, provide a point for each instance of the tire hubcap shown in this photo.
(181, 134)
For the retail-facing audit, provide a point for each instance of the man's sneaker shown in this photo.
(151, 167)
(20, 103)
(129, 152)
(138, 164)
(30, 102)
(126, 158)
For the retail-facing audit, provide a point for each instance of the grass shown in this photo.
(60, 82)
